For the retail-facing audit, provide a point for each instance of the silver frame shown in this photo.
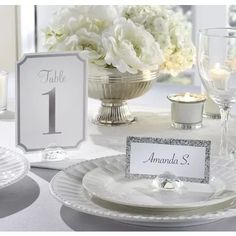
(182, 142)
(85, 94)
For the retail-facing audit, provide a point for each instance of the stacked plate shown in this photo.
(13, 167)
(99, 187)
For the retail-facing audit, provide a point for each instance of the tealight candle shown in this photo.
(186, 110)
(3, 90)
(219, 77)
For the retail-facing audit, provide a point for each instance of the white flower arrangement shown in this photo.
(128, 38)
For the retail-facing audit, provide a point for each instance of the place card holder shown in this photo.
(167, 182)
(53, 152)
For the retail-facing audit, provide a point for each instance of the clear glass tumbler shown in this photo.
(3, 90)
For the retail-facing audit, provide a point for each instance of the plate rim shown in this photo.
(25, 171)
(216, 215)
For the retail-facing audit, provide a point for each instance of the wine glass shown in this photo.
(217, 68)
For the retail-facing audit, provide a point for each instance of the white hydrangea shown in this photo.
(129, 38)
(171, 30)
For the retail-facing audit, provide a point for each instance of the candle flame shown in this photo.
(187, 95)
(217, 65)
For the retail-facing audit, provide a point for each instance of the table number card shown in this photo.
(148, 157)
(51, 100)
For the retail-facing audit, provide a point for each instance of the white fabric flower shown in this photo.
(79, 29)
(131, 48)
(129, 38)
(104, 13)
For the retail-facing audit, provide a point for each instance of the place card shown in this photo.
(148, 157)
(51, 91)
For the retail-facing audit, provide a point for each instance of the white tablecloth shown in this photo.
(28, 205)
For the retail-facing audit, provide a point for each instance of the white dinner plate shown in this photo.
(13, 167)
(109, 183)
(66, 186)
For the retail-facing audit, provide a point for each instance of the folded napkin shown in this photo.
(55, 165)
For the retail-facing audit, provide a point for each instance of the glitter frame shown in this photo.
(170, 141)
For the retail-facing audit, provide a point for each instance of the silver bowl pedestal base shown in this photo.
(114, 89)
(111, 113)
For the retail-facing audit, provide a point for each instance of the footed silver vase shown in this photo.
(114, 89)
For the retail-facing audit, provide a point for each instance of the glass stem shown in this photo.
(224, 112)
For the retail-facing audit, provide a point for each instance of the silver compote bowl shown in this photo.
(114, 88)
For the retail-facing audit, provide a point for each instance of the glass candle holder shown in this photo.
(186, 110)
(211, 110)
(3, 90)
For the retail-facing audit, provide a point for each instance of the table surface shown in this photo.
(28, 204)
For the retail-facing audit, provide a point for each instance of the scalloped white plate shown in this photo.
(109, 183)
(66, 186)
(13, 167)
